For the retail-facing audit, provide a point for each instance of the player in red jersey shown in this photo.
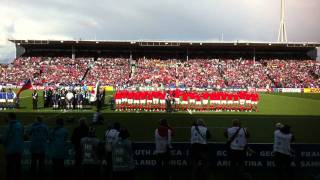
(185, 100)
(124, 99)
(176, 95)
(223, 96)
(192, 100)
(255, 101)
(149, 100)
(162, 97)
(130, 101)
(205, 97)
(242, 97)
(230, 101)
(236, 101)
(198, 106)
(212, 96)
(117, 99)
(136, 100)
(155, 100)
(143, 100)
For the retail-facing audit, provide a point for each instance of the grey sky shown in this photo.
(254, 20)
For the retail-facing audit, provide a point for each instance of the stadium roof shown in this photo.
(165, 48)
(166, 43)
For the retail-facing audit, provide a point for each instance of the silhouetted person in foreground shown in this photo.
(13, 145)
(162, 136)
(237, 146)
(122, 157)
(282, 151)
(58, 138)
(199, 150)
(39, 135)
(79, 132)
(92, 150)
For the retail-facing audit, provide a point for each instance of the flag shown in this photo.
(27, 85)
(94, 92)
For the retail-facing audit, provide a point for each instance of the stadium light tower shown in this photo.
(282, 36)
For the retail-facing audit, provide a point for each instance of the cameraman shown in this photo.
(199, 149)
(282, 151)
(162, 136)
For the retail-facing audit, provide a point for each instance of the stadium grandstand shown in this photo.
(124, 64)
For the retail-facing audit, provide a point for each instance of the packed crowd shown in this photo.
(65, 71)
(200, 73)
(293, 74)
(192, 73)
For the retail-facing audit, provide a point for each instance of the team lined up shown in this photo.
(178, 100)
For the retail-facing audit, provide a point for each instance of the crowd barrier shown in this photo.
(306, 156)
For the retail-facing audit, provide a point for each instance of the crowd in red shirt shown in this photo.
(200, 73)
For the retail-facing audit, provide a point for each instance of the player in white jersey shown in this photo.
(199, 149)
(282, 151)
(237, 141)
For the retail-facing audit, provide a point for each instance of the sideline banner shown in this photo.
(311, 90)
(306, 155)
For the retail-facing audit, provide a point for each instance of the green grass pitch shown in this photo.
(301, 111)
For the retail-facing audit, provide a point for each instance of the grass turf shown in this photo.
(301, 111)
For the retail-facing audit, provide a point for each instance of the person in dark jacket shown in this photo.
(39, 135)
(58, 138)
(79, 132)
(92, 150)
(13, 144)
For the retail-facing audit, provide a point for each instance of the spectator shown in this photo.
(111, 137)
(282, 152)
(79, 132)
(58, 137)
(199, 149)
(237, 142)
(162, 136)
(39, 138)
(122, 157)
(13, 144)
(91, 155)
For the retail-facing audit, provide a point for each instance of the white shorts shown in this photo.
(177, 100)
(118, 101)
(124, 100)
(248, 101)
(143, 101)
(2, 100)
(192, 101)
(155, 101)
(242, 101)
(230, 102)
(149, 101)
(216, 102)
(184, 102)
(254, 102)
(136, 101)
(223, 101)
(205, 102)
(162, 101)
(130, 101)
(198, 102)
(235, 102)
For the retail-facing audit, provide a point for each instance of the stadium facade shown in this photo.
(167, 49)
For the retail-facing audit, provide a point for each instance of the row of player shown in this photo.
(178, 100)
(68, 99)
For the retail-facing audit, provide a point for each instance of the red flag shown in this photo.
(27, 85)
